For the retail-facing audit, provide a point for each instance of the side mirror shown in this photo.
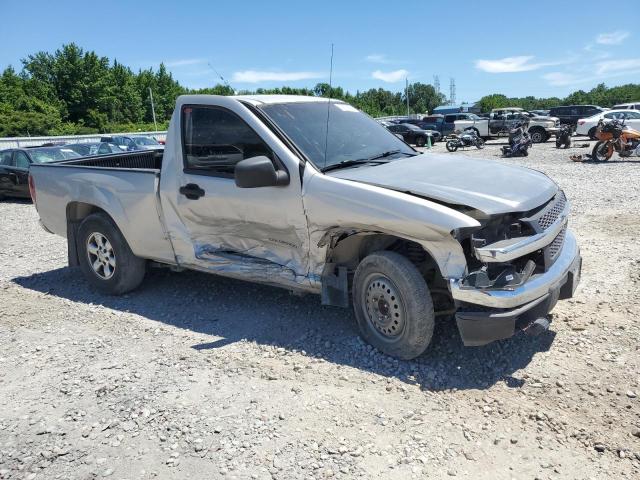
(259, 172)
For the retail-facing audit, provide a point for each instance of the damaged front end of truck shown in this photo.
(518, 266)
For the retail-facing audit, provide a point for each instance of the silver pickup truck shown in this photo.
(315, 196)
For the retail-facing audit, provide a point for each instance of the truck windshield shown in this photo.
(352, 135)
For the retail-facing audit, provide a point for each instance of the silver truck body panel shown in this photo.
(490, 187)
(332, 202)
(128, 196)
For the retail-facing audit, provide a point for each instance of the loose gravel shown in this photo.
(196, 376)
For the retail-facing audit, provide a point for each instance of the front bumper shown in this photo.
(503, 310)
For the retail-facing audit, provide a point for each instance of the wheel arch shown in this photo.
(347, 248)
(76, 212)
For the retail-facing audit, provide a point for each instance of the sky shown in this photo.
(487, 46)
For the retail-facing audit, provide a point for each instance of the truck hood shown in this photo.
(484, 185)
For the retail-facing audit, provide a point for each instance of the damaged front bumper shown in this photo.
(503, 311)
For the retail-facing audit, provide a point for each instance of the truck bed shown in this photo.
(124, 185)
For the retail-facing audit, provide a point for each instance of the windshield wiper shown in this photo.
(361, 161)
(350, 163)
(388, 153)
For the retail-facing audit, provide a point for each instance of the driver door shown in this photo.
(258, 234)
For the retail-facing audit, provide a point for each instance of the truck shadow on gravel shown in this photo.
(231, 311)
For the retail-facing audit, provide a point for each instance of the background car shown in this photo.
(435, 135)
(411, 134)
(133, 143)
(570, 114)
(100, 148)
(147, 143)
(587, 126)
(15, 163)
(122, 141)
(627, 106)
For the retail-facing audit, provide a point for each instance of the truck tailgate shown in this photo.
(129, 196)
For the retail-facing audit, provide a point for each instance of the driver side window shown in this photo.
(215, 139)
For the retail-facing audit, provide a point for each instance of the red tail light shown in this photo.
(32, 189)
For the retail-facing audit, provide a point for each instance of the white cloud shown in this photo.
(390, 77)
(185, 62)
(377, 58)
(510, 64)
(254, 76)
(614, 66)
(559, 79)
(613, 38)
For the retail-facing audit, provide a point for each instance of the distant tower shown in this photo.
(452, 91)
(436, 84)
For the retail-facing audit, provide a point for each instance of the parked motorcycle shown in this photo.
(615, 136)
(563, 137)
(469, 138)
(519, 142)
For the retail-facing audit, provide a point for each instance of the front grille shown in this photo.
(553, 211)
(556, 245)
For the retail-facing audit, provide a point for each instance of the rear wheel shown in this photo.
(479, 143)
(452, 145)
(105, 258)
(393, 306)
(420, 142)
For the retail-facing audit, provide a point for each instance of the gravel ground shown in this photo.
(195, 376)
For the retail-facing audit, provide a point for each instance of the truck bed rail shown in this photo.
(149, 159)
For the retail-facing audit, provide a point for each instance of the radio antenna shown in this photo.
(326, 136)
(224, 81)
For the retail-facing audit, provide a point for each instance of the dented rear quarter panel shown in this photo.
(128, 196)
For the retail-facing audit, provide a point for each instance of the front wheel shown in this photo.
(479, 143)
(105, 258)
(420, 142)
(452, 146)
(393, 306)
(538, 136)
(602, 151)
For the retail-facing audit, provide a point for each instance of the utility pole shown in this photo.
(153, 109)
(452, 91)
(407, 94)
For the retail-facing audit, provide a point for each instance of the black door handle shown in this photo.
(192, 191)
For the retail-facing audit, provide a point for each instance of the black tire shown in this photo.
(403, 329)
(592, 133)
(558, 143)
(479, 143)
(538, 135)
(420, 142)
(452, 146)
(127, 270)
(600, 156)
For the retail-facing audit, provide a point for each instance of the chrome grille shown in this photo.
(556, 245)
(553, 212)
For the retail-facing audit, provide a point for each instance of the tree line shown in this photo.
(73, 91)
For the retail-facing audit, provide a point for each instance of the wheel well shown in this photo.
(76, 212)
(349, 248)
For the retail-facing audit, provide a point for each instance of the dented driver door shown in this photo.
(258, 234)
